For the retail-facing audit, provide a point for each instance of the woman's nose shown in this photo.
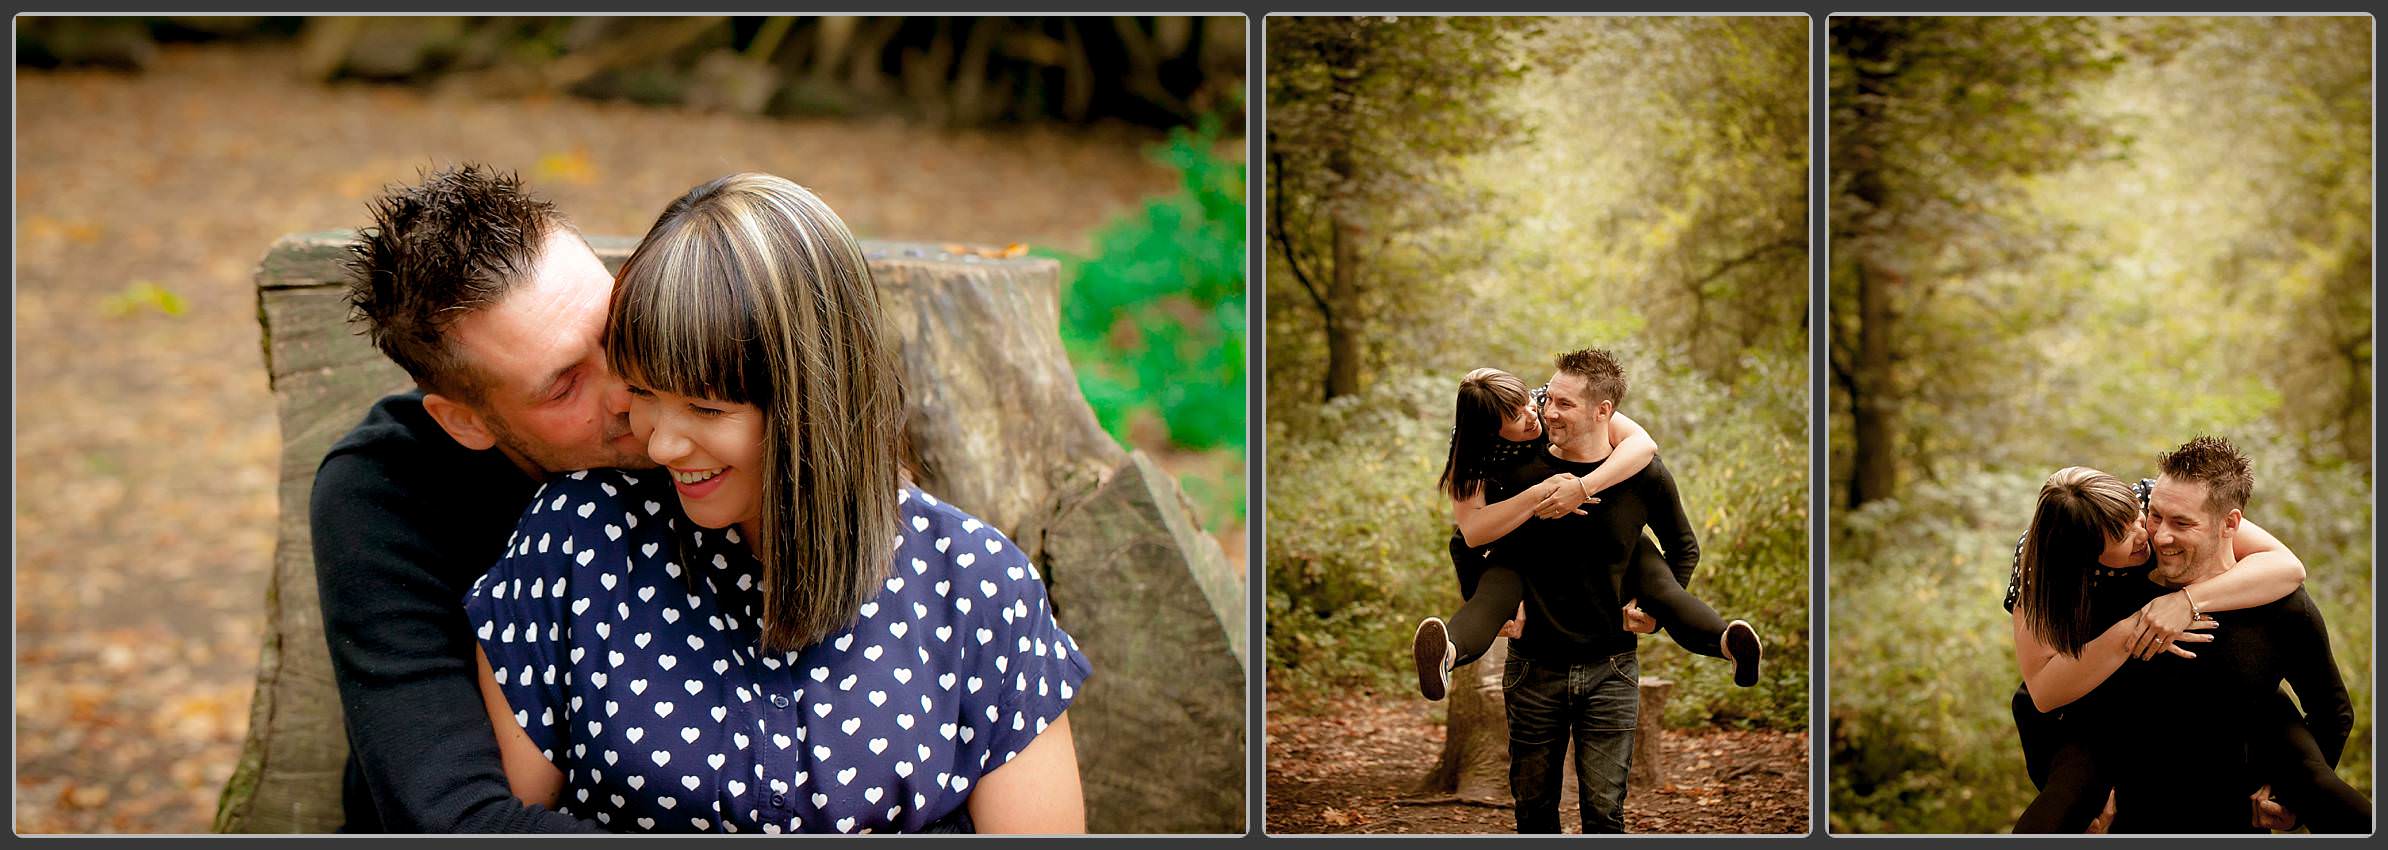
(665, 444)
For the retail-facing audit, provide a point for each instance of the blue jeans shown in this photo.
(1597, 703)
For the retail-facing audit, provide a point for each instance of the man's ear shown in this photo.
(1607, 408)
(462, 422)
(2230, 522)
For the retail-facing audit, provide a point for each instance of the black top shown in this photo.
(1500, 456)
(2176, 732)
(404, 521)
(1574, 566)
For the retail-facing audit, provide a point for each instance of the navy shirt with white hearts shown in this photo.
(624, 638)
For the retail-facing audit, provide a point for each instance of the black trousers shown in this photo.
(1494, 591)
(2073, 787)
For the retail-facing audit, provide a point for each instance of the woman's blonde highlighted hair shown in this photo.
(749, 289)
(2080, 511)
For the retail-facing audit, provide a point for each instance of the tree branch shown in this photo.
(1278, 229)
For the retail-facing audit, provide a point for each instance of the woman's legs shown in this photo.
(1492, 594)
(2303, 781)
(1692, 624)
(2073, 796)
(1498, 591)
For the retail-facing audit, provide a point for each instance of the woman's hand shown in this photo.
(2163, 623)
(1565, 497)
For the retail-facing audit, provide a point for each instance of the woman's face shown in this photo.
(2129, 550)
(1522, 425)
(712, 449)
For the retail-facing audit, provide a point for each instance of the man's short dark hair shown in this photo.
(2214, 462)
(435, 252)
(1602, 376)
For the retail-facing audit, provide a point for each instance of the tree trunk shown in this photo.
(1474, 765)
(1649, 762)
(1873, 409)
(1343, 293)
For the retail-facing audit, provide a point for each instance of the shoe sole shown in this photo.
(1741, 645)
(1427, 647)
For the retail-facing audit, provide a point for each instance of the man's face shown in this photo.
(2182, 531)
(1569, 414)
(547, 395)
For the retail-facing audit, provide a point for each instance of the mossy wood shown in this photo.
(999, 427)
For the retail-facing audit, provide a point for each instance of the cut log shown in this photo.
(1474, 765)
(1649, 762)
(1000, 428)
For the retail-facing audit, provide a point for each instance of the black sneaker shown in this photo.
(1433, 650)
(1740, 645)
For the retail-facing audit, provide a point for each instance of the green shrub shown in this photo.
(1153, 319)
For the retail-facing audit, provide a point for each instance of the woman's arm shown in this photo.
(2266, 572)
(1480, 523)
(2056, 680)
(534, 779)
(1631, 450)
(1035, 793)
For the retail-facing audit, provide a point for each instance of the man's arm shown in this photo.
(2313, 673)
(1667, 520)
(402, 655)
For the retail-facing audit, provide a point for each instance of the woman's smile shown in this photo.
(698, 483)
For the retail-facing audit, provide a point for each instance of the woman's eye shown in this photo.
(640, 392)
(702, 410)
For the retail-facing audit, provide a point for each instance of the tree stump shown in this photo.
(999, 427)
(1474, 765)
(1649, 763)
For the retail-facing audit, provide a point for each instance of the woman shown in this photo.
(2081, 608)
(1497, 425)
(776, 632)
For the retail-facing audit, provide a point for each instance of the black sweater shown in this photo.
(404, 519)
(2179, 732)
(1574, 566)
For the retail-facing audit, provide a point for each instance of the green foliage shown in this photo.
(143, 296)
(1154, 319)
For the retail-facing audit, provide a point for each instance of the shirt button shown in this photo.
(779, 701)
(779, 799)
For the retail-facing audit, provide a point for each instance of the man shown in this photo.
(494, 304)
(2190, 740)
(1573, 673)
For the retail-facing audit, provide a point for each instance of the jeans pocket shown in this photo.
(1513, 671)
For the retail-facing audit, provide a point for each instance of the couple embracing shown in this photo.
(2155, 626)
(644, 553)
(1551, 492)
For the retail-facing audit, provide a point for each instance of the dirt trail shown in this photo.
(146, 443)
(1353, 765)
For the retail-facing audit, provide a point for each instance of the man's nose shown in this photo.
(615, 395)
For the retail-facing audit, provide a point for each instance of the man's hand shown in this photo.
(1566, 497)
(1636, 621)
(2270, 814)
(2156, 633)
(1516, 627)
(2105, 819)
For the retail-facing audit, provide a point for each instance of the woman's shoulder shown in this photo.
(943, 542)
(584, 521)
